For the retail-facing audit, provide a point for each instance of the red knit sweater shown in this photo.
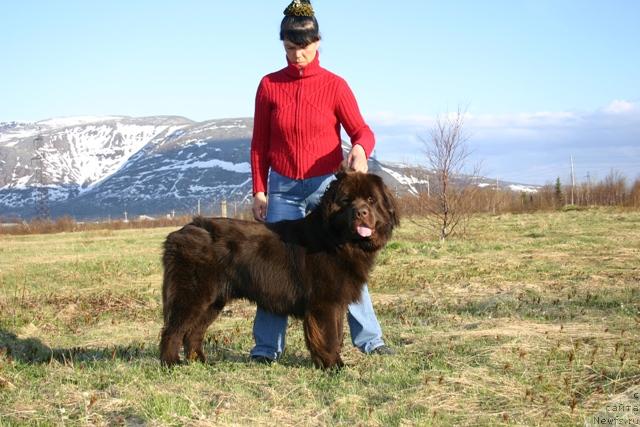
(296, 129)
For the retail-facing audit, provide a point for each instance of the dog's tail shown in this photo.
(184, 251)
(191, 244)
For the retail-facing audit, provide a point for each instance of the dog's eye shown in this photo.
(344, 201)
(371, 200)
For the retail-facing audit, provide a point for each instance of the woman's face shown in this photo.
(301, 56)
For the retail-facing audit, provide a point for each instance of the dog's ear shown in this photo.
(390, 204)
(328, 200)
(344, 169)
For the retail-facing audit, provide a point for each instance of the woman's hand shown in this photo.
(260, 207)
(357, 159)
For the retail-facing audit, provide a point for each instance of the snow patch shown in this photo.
(60, 122)
(244, 167)
(403, 179)
(522, 188)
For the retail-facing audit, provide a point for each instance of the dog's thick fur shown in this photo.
(311, 268)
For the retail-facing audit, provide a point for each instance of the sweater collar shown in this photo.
(311, 69)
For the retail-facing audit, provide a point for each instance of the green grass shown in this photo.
(530, 320)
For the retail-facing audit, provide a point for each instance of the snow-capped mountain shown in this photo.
(99, 167)
(76, 151)
(206, 162)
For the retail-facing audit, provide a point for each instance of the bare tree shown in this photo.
(452, 191)
(634, 196)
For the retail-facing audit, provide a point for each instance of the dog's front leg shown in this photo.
(323, 335)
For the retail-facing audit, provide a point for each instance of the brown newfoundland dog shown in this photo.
(311, 268)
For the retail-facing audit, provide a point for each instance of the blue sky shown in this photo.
(541, 80)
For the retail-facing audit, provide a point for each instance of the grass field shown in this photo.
(531, 320)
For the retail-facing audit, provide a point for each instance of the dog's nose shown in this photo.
(363, 213)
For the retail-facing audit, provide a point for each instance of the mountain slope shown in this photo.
(99, 167)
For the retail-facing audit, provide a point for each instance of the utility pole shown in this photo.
(198, 206)
(573, 180)
(588, 188)
(495, 196)
(223, 208)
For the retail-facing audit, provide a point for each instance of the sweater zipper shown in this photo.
(299, 122)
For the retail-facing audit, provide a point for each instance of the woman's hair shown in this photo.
(300, 30)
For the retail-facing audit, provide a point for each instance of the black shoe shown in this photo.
(383, 350)
(261, 360)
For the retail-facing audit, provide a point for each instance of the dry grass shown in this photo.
(67, 224)
(532, 320)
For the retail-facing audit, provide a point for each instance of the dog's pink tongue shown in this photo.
(364, 231)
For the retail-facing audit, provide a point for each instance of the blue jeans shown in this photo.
(292, 199)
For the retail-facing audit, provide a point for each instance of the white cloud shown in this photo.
(620, 106)
(531, 148)
(526, 119)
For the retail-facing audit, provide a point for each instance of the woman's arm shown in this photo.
(260, 140)
(362, 138)
(259, 207)
(357, 159)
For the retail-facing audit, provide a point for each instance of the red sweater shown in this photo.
(296, 129)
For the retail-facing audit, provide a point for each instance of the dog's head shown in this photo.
(359, 208)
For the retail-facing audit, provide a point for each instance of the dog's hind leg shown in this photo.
(170, 345)
(181, 319)
(193, 338)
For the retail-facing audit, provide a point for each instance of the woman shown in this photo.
(296, 148)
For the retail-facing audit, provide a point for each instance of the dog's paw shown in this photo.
(171, 363)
